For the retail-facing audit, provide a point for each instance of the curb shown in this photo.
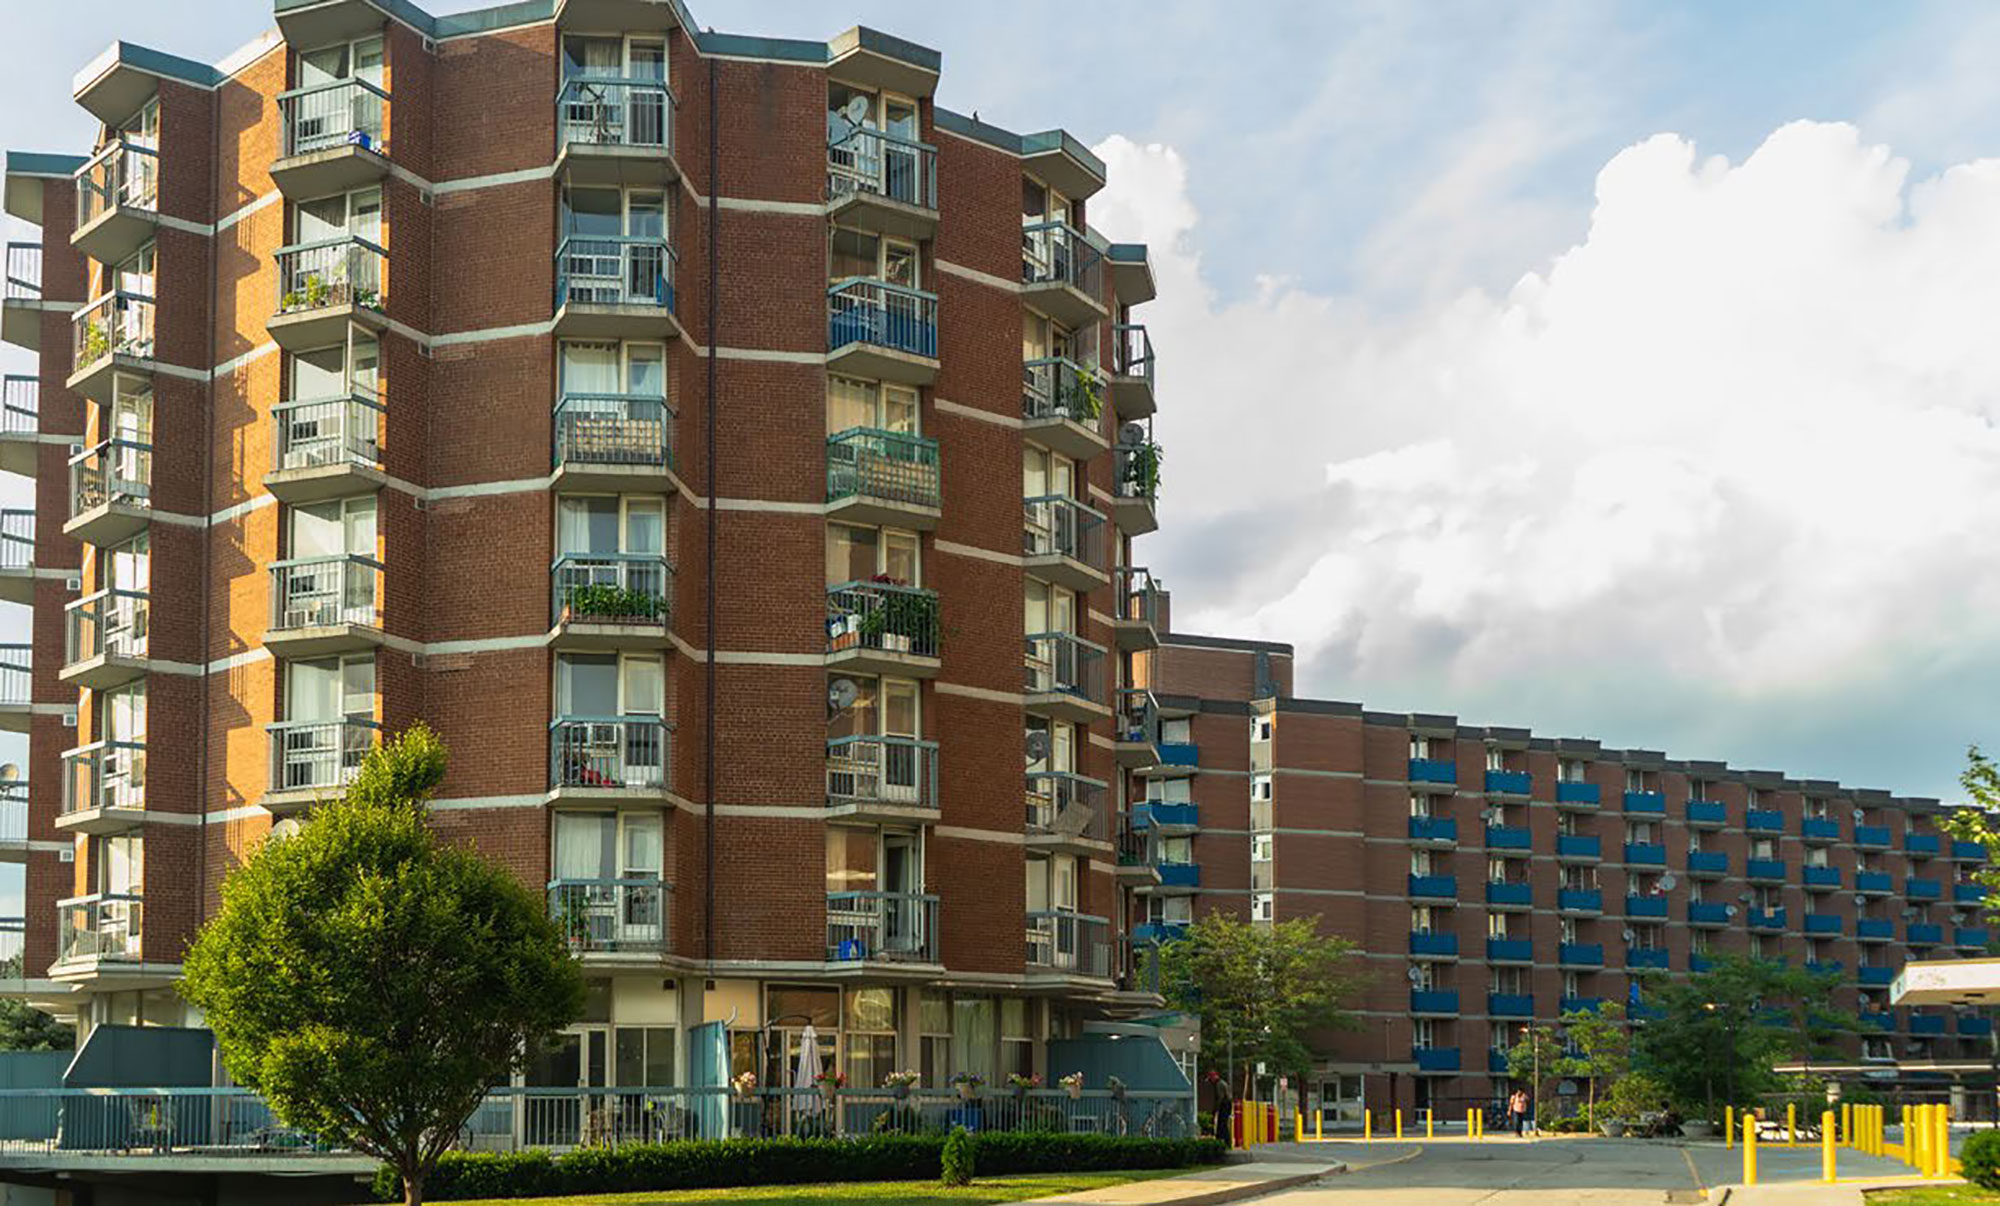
(1225, 1191)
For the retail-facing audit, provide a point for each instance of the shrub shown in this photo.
(957, 1162)
(1979, 1159)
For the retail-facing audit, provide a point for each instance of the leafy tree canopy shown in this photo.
(1720, 1033)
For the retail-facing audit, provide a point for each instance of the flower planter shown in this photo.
(968, 1092)
(1612, 1129)
(1074, 1091)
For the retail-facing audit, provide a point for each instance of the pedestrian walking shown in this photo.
(1225, 1110)
(1517, 1105)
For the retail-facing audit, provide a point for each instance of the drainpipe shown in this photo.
(714, 516)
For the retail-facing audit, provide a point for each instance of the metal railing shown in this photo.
(1058, 253)
(1138, 716)
(24, 271)
(1060, 663)
(1063, 803)
(613, 429)
(319, 755)
(338, 113)
(628, 752)
(103, 925)
(17, 539)
(611, 914)
(104, 774)
(862, 309)
(118, 324)
(124, 173)
(1131, 351)
(20, 405)
(113, 471)
(893, 465)
(1057, 525)
(314, 433)
(899, 927)
(343, 271)
(1059, 388)
(13, 831)
(615, 270)
(1135, 471)
(1138, 595)
(611, 588)
(1138, 846)
(1070, 942)
(882, 164)
(899, 772)
(882, 615)
(17, 675)
(107, 623)
(320, 592)
(607, 111)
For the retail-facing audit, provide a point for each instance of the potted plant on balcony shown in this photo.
(1086, 401)
(316, 291)
(968, 1084)
(843, 631)
(1072, 1085)
(96, 342)
(1020, 1084)
(744, 1085)
(830, 1083)
(900, 1083)
(1142, 471)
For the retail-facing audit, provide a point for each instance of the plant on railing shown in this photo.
(1091, 402)
(911, 617)
(830, 1082)
(968, 1084)
(1072, 1085)
(575, 927)
(368, 299)
(900, 1083)
(744, 1083)
(96, 341)
(1142, 471)
(605, 601)
(1021, 1084)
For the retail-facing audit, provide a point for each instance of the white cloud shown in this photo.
(1735, 450)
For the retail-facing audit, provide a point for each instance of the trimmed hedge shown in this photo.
(722, 1163)
(1979, 1159)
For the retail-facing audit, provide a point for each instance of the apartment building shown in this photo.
(641, 407)
(1492, 877)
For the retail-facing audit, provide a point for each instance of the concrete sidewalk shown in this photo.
(1231, 1183)
(1799, 1193)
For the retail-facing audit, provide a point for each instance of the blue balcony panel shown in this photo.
(1969, 935)
(1764, 820)
(1433, 770)
(1433, 829)
(1875, 927)
(1645, 854)
(1707, 812)
(1646, 906)
(1496, 1062)
(1708, 912)
(1927, 1023)
(1913, 843)
(1708, 862)
(1433, 1000)
(1923, 889)
(1764, 868)
(1884, 1022)
(1509, 783)
(1975, 1026)
(1875, 977)
(1581, 1004)
(1578, 845)
(1822, 923)
(1650, 802)
(1510, 1005)
(1821, 877)
(1434, 887)
(1919, 933)
(1700, 963)
(1767, 919)
(1179, 753)
(1437, 946)
(1180, 875)
(1968, 893)
(1576, 793)
(1581, 954)
(1510, 894)
(1436, 1059)
(1654, 958)
(1873, 881)
(1820, 829)
(1510, 950)
(1588, 900)
(1169, 814)
(1970, 851)
(1507, 837)
(1159, 931)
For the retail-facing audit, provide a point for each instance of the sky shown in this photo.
(1607, 368)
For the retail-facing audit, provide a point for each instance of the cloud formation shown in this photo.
(1721, 478)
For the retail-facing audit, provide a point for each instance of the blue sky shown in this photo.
(1490, 399)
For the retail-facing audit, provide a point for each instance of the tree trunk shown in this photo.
(413, 1189)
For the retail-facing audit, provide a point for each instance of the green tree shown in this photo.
(1722, 1032)
(1604, 1048)
(1976, 823)
(372, 982)
(1537, 1057)
(1262, 991)
(24, 1028)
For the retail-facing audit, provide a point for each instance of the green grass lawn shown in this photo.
(862, 1193)
(1935, 1195)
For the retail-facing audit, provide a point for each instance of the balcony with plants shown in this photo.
(1064, 677)
(106, 638)
(311, 760)
(117, 200)
(610, 601)
(1138, 851)
(612, 917)
(104, 787)
(1066, 813)
(333, 137)
(881, 780)
(324, 286)
(1068, 946)
(1132, 372)
(883, 478)
(1062, 273)
(1135, 481)
(1062, 405)
(601, 759)
(883, 626)
(328, 447)
(113, 333)
(1135, 619)
(1063, 541)
(882, 331)
(882, 181)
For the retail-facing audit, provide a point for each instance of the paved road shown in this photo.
(1557, 1172)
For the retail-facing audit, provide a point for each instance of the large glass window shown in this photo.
(329, 689)
(870, 1035)
(975, 1037)
(358, 213)
(359, 59)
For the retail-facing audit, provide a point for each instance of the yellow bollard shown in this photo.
(1469, 1132)
(1749, 1153)
(1791, 1124)
(1430, 1123)
(1319, 1123)
(1826, 1138)
(1941, 1148)
(1367, 1125)
(1399, 1124)
(1298, 1126)
(1912, 1136)
(1847, 1123)
(1728, 1127)
(1479, 1123)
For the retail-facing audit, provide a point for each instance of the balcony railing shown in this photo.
(1138, 595)
(615, 270)
(629, 752)
(1509, 782)
(1059, 663)
(17, 539)
(1062, 803)
(882, 164)
(314, 433)
(895, 927)
(1058, 253)
(896, 466)
(611, 914)
(1132, 352)
(1059, 388)
(862, 309)
(897, 772)
(104, 774)
(345, 271)
(1136, 471)
(104, 925)
(319, 755)
(337, 113)
(112, 472)
(117, 324)
(611, 588)
(124, 173)
(1138, 718)
(613, 429)
(1069, 942)
(20, 405)
(321, 592)
(602, 111)
(107, 623)
(16, 675)
(24, 272)
(883, 616)
(1056, 525)
(13, 823)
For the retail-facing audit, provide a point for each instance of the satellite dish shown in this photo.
(1729, 910)
(1667, 883)
(1131, 434)
(1415, 974)
(1858, 815)
(1628, 935)
(1486, 814)
(1909, 913)
(841, 694)
(10, 773)
(287, 828)
(1037, 745)
(856, 110)
(1860, 900)
(1746, 898)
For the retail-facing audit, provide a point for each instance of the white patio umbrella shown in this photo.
(806, 1076)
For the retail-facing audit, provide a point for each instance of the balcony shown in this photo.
(1707, 814)
(1765, 870)
(1708, 913)
(1159, 931)
(328, 447)
(1135, 622)
(1576, 794)
(881, 780)
(314, 760)
(1063, 676)
(623, 442)
(1066, 813)
(1172, 817)
(100, 928)
(1927, 1023)
(1062, 274)
(1819, 830)
(1969, 937)
(323, 287)
(884, 182)
(1432, 772)
(107, 641)
(1504, 837)
(17, 556)
(1968, 852)
(613, 130)
(1068, 946)
(882, 628)
(14, 824)
(610, 601)
(16, 687)
(1873, 883)
(1435, 1061)
(1700, 963)
(865, 930)
(1433, 887)
(1578, 847)
(1645, 854)
(1708, 864)
(1132, 372)
(1062, 407)
(1135, 486)
(1916, 845)
(602, 917)
(882, 331)
(1510, 894)
(1434, 831)
(110, 490)
(1496, 1060)
(1883, 1022)
(1764, 820)
(606, 759)
(1508, 783)
(883, 478)
(1767, 919)
(1923, 889)
(1646, 906)
(113, 333)
(1179, 879)
(1138, 851)
(117, 201)
(1510, 950)
(104, 787)
(1968, 892)
(1970, 1026)
(1580, 900)
(1433, 945)
(20, 424)
(1580, 954)
(1823, 924)
(1830, 968)
(322, 605)
(1646, 958)
(1874, 929)
(1646, 803)
(615, 287)
(1875, 976)
(1063, 541)
(1918, 933)
(1579, 1005)
(1821, 879)
(21, 304)
(332, 138)
(1135, 734)
(1433, 1002)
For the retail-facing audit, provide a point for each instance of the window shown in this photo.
(858, 159)
(1698, 790)
(331, 689)
(855, 554)
(1816, 857)
(1261, 847)
(1579, 879)
(1423, 1034)
(1421, 747)
(1754, 797)
(607, 685)
(1260, 729)
(869, 1034)
(856, 253)
(644, 1056)
(975, 1037)
(1260, 787)
(1017, 1038)
(1177, 731)
(339, 527)
(934, 1036)
(1648, 937)
(1506, 981)
(323, 425)
(1763, 847)
(1698, 941)
(1263, 906)
(1420, 919)
(1568, 930)
(614, 249)
(852, 403)
(1420, 805)
(1496, 870)
(1642, 833)
(1572, 983)
(1421, 978)
(1570, 770)
(1420, 862)
(358, 59)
